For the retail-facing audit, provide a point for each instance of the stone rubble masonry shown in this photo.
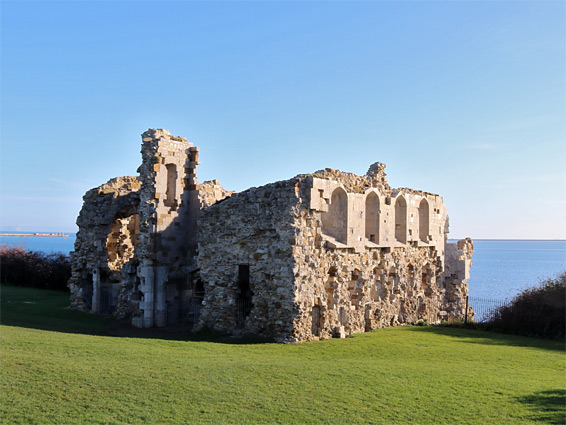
(135, 249)
(210, 192)
(314, 270)
(107, 229)
(321, 255)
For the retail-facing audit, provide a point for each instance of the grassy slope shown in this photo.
(400, 375)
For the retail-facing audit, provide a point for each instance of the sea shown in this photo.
(500, 268)
(503, 268)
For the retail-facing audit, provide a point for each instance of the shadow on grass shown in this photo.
(48, 310)
(474, 335)
(547, 406)
(123, 328)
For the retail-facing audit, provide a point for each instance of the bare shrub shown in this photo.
(20, 267)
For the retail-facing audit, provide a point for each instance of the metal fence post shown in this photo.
(466, 316)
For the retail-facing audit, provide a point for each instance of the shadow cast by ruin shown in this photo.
(547, 406)
(478, 334)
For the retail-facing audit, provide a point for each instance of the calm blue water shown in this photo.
(501, 268)
(44, 244)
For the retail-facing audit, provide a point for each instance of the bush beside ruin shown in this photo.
(538, 311)
(20, 267)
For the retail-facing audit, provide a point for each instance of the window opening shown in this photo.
(171, 194)
(424, 221)
(335, 221)
(372, 217)
(401, 220)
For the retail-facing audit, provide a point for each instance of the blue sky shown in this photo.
(461, 98)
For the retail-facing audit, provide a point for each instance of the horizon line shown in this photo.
(449, 238)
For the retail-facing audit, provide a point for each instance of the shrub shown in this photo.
(538, 311)
(20, 267)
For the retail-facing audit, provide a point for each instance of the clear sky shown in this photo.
(461, 98)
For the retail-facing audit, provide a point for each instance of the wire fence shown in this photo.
(485, 308)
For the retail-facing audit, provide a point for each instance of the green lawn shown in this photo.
(72, 373)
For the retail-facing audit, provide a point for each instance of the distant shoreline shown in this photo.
(44, 235)
(65, 235)
(516, 240)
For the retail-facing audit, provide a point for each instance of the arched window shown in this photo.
(401, 220)
(372, 217)
(171, 194)
(335, 221)
(424, 221)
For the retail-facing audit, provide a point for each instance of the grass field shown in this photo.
(59, 367)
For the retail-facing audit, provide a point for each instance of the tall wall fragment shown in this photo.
(168, 211)
(135, 249)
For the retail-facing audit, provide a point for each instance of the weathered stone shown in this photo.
(329, 254)
(320, 255)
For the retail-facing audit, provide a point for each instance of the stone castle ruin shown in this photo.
(317, 256)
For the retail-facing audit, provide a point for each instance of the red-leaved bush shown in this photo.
(20, 267)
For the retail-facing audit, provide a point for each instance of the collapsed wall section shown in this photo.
(108, 233)
(245, 258)
(135, 248)
(456, 273)
(210, 192)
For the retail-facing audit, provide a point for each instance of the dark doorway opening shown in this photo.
(197, 298)
(87, 294)
(244, 301)
(315, 316)
(105, 300)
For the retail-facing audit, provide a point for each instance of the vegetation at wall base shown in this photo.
(538, 311)
(34, 269)
(415, 374)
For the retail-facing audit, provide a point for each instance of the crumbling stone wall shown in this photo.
(251, 229)
(456, 273)
(108, 229)
(210, 192)
(320, 255)
(122, 240)
(169, 209)
(135, 249)
(319, 283)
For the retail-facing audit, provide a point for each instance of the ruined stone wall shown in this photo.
(137, 241)
(108, 231)
(320, 255)
(456, 273)
(338, 287)
(169, 209)
(341, 291)
(169, 198)
(369, 281)
(376, 215)
(210, 192)
(251, 231)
